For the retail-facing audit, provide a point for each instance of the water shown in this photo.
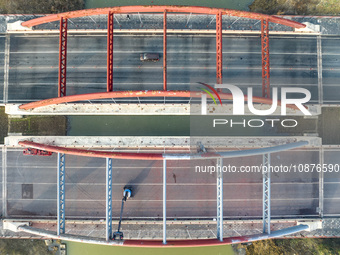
(91, 249)
(166, 126)
(230, 4)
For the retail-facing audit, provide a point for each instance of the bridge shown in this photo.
(197, 44)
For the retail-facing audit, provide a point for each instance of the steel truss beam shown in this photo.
(110, 52)
(108, 199)
(61, 194)
(265, 58)
(219, 187)
(165, 86)
(62, 57)
(164, 201)
(266, 194)
(160, 9)
(219, 49)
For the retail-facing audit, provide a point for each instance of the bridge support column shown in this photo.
(62, 57)
(219, 49)
(265, 58)
(220, 200)
(164, 201)
(266, 194)
(108, 199)
(61, 194)
(109, 74)
(165, 85)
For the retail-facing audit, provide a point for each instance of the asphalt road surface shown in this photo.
(33, 64)
(32, 188)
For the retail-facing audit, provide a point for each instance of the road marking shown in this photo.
(4, 181)
(173, 67)
(168, 52)
(174, 184)
(170, 200)
(6, 68)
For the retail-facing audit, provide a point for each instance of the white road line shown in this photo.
(168, 52)
(4, 181)
(168, 200)
(174, 184)
(6, 68)
(173, 67)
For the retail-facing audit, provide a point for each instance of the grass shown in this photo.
(23, 247)
(306, 246)
(37, 6)
(296, 7)
(3, 124)
(39, 125)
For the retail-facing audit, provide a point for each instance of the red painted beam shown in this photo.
(161, 9)
(92, 153)
(265, 58)
(165, 87)
(129, 94)
(109, 74)
(62, 57)
(219, 62)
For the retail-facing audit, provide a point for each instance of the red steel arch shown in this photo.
(110, 11)
(129, 94)
(161, 9)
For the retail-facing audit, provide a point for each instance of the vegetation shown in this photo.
(3, 125)
(39, 125)
(296, 7)
(37, 7)
(305, 246)
(21, 247)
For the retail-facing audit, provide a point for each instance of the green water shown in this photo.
(91, 249)
(230, 4)
(149, 125)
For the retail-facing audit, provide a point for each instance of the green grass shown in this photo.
(296, 7)
(3, 124)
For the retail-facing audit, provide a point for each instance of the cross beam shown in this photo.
(219, 48)
(61, 194)
(266, 194)
(109, 78)
(220, 200)
(108, 199)
(265, 58)
(62, 57)
(164, 201)
(165, 86)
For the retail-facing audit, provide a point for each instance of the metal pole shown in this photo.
(109, 78)
(61, 194)
(62, 57)
(164, 201)
(164, 52)
(321, 183)
(266, 194)
(319, 63)
(219, 199)
(4, 181)
(108, 199)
